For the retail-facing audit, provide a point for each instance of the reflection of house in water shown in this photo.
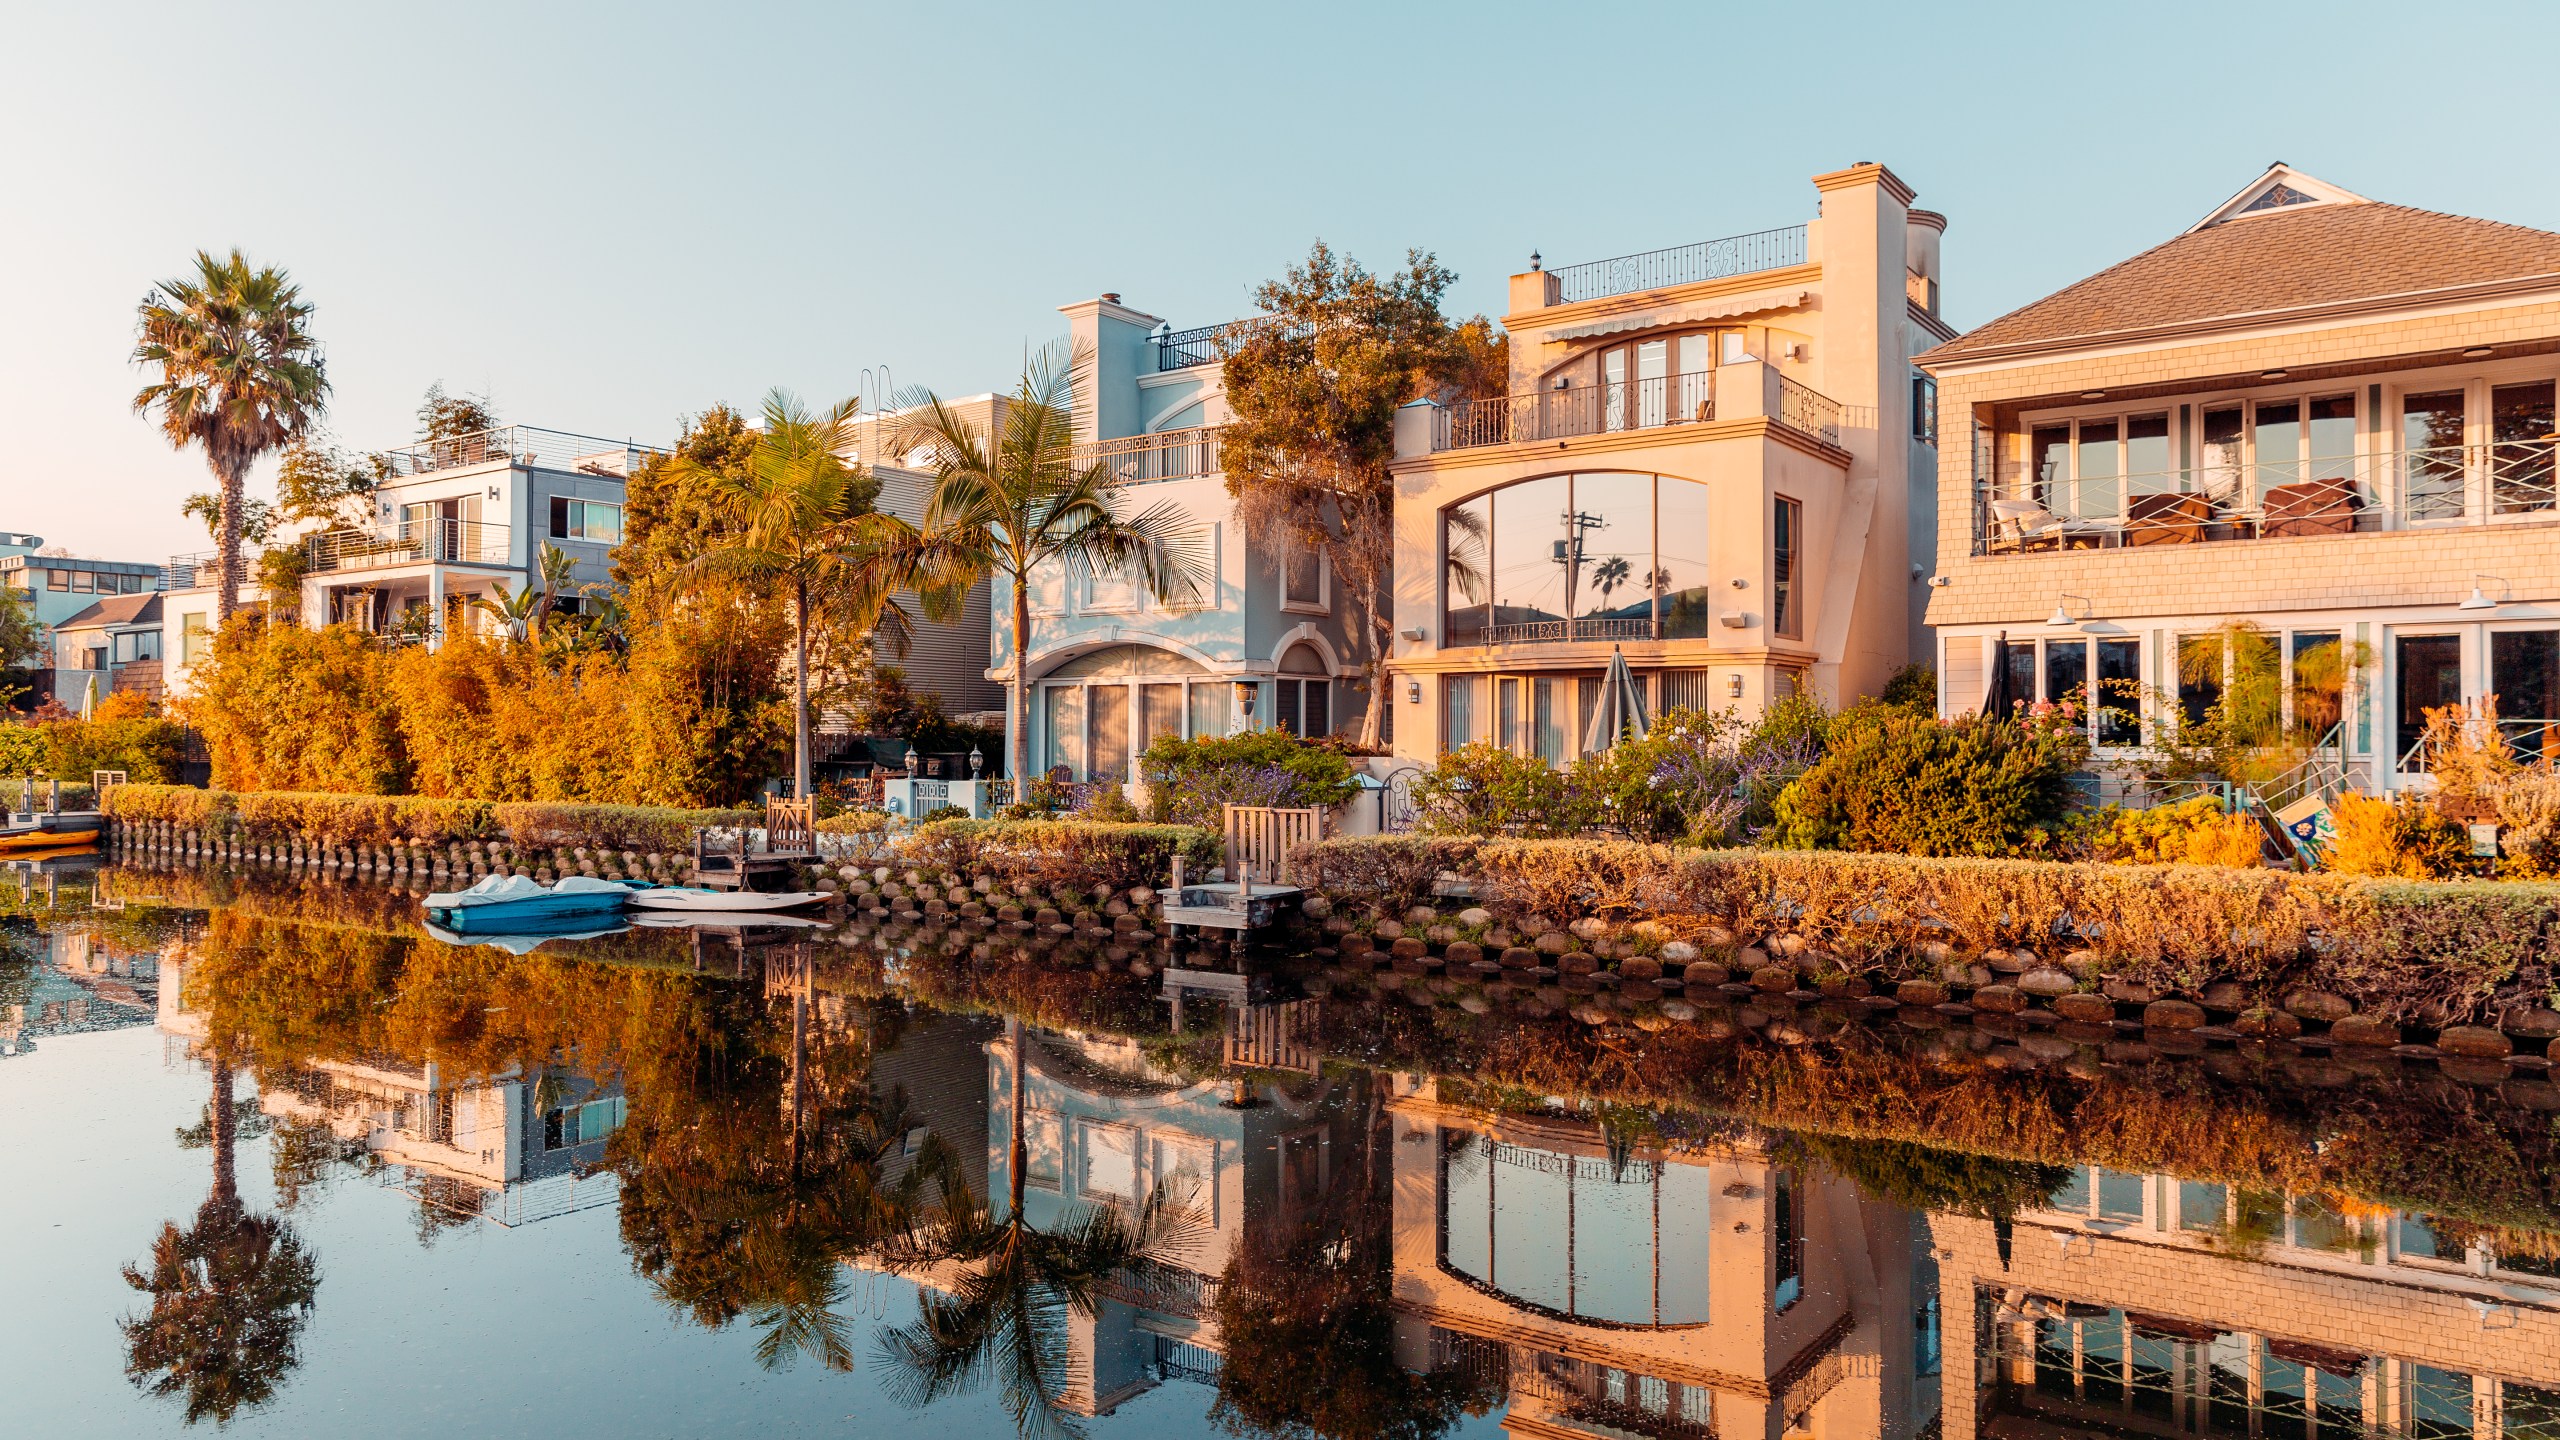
(2149, 1305)
(1616, 1290)
(511, 1149)
(73, 982)
(1103, 1127)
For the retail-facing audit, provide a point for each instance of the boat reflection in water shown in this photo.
(1390, 1221)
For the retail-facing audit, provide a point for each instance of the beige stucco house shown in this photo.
(1715, 458)
(2326, 418)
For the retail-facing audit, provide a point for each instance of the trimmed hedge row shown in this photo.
(2401, 949)
(269, 816)
(1081, 853)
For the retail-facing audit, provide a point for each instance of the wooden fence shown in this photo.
(1274, 1037)
(1260, 837)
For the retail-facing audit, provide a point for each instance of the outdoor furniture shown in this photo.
(2025, 523)
(2167, 519)
(2310, 507)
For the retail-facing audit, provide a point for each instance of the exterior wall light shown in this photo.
(1413, 692)
(2062, 610)
(2479, 598)
(1733, 685)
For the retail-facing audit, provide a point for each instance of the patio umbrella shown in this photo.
(1621, 707)
(89, 700)
(1996, 698)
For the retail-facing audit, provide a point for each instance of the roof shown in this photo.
(2276, 255)
(142, 609)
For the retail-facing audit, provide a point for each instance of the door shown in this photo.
(2430, 677)
(2524, 673)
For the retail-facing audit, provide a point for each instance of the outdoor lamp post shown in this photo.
(977, 761)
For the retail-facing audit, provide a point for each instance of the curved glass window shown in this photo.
(1595, 555)
(1576, 1235)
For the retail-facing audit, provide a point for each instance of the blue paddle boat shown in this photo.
(514, 904)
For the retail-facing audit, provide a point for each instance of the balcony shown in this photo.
(1662, 401)
(1165, 455)
(2215, 502)
(1182, 349)
(412, 542)
(187, 572)
(1681, 265)
(520, 445)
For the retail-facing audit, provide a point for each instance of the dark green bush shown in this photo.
(1074, 854)
(1190, 781)
(1905, 784)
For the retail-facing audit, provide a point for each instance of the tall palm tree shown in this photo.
(229, 1295)
(1005, 1318)
(239, 374)
(1009, 503)
(796, 517)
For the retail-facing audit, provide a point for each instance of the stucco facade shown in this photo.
(1708, 459)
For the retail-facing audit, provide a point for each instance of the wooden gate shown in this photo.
(1260, 837)
(1274, 1037)
(790, 826)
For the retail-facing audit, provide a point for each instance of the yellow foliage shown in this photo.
(2193, 832)
(2405, 839)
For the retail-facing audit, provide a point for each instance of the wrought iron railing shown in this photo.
(1681, 264)
(2215, 499)
(1182, 349)
(1597, 627)
(1588, 410)
(411, 542)
(1163, 455)
(1808, 411)
(522, 445)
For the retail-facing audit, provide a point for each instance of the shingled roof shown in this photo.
(142, 609)
(2263, 266)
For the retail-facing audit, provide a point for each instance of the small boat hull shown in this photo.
(48, 832)
(686, 899)
(517, 916)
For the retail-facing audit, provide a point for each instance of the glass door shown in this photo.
(2430, 677)
(2432, 477)
(2524, 673)
(2520, 441)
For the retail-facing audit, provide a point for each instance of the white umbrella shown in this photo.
(89, 699)
(1621, 707)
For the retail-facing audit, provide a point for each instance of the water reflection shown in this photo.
(1298, 1205)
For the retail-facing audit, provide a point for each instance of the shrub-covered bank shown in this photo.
(2251, 942)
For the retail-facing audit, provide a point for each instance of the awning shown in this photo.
(1724, 309)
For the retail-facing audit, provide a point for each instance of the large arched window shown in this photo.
(1576, 1235)
(1593, 555)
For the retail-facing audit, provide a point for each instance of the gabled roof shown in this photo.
(2284, 245)
(143, 609)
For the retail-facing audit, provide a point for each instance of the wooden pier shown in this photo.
(790, 841)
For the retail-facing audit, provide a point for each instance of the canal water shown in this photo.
(277, 1160)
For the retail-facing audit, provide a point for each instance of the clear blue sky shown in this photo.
(608, 216)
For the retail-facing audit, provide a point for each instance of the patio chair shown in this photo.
(2311, 507)
(2166, 519)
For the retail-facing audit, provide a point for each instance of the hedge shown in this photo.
(268, 816)
(2402, 949)
(1079, 853)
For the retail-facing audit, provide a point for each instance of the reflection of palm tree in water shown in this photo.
(1006, 1314)
(229, 1295)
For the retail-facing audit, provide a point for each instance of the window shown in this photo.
(2432, 455)
(2319, 681)
(2430, 676)
(1302, 579)
(1043, 1155)
(2102, 1194)
(2199, 677)
(1460, 705)
(21, 579)
(2521, 419)
(1605, 555)
(1211, 705)
(1189, 1169)
(1064, 719)
(2524, 673)
(1687, 690)
(1110, 1163)
(1786, 612)
(1576, 1235)
(1786, 1238)
(1110, 712)
(585, 520)
(193, 638)
(2119, 693)
(1924, 409)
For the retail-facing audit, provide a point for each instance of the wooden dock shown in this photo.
(790, 841)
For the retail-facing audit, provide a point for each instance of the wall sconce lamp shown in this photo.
(2479, 598)
(1412, 632)
(1413, 692)
(1733, 686)
(2062, 610)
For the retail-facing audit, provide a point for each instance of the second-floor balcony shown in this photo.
(412, 542)
(520, 445)
(2021, 509)
(1164, 455)
(1645, 403)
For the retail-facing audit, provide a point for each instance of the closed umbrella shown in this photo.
(1996, 699)
(1621, 707)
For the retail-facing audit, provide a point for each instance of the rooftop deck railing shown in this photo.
(186, 572)
(1164, 455)
(1681, 264)
(411, 542)
(1182, 349)
(521, 445)
(2216, 501)
(1586, 410)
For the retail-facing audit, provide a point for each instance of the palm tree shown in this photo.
(520, 613)
(797, 518)
(240, 374)
(1016, 1285)
(1009, 503)
(558, 566)
(229, 1295)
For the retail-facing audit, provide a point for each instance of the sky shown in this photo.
(609, 217)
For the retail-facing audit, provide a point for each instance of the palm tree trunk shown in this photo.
(800, 693)
(226, 1178)
(234, 482)
(1020, 740)
(1018, 1153)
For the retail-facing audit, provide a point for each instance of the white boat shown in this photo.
(686, 898)
(726, 919)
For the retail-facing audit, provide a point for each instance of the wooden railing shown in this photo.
(1275, 1037)
(790, 826)
(1260, 837)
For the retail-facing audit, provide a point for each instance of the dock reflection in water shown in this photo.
(1287, 1204)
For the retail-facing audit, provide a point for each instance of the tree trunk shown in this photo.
(234, 482)
(1018, 1153)
(226, 1179)
(800, 693)
(1373, 726)
(1016, 756)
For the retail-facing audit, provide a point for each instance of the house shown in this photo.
(1110, 668)
(2306, 442)
(115, 643)
(59, 588)
(1715, 458)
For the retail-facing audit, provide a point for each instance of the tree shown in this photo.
(317, 484)
(21, 638)
(520, 613)
(795, 515)
(257, 517)
(239, 375)
(1011, 503)
(1315, 390)
(558, 566)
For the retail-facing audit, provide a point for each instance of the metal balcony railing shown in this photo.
(1588, 410)
(1164, 455)
(2219, 500)
(186, 572)
(1681, 264)
(521, 445)
(412, 542)
(1182, 349)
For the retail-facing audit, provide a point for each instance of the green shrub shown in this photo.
(1905, 784)
(262, 817)
(1483, 789)
(1074, 854)
(1189, 782)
